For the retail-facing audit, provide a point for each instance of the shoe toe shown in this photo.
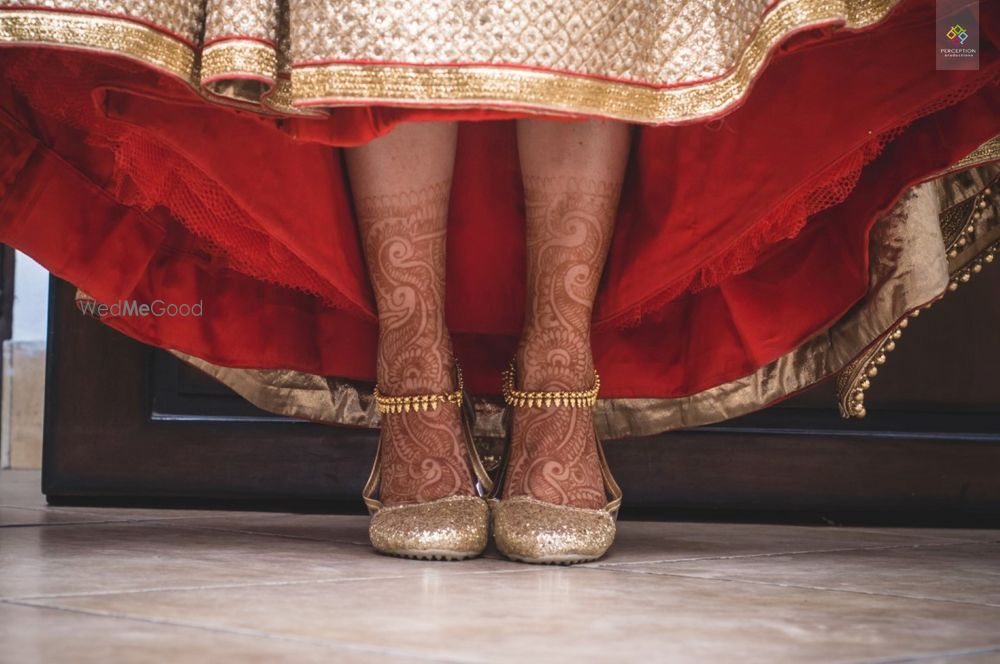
(533, 531)
(451, 528)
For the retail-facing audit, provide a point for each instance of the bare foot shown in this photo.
(553, 449)
(424, 455)
(553, 455)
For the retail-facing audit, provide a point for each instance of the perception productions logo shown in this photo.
(957, 35)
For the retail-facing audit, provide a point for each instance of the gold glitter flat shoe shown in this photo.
(450, 528)
(529, 530)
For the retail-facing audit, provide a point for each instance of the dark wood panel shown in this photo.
(6, 291)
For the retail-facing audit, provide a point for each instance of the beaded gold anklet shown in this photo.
(415, 402)
(523, 398)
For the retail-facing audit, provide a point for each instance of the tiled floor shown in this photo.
(109, 585)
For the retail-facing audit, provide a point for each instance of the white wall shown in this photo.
(31, 299)
(23, 405)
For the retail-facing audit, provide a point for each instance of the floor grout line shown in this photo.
(253, 584)
(774, 584)
(935, 655)
(768, 554)
(216, 629)
(222, 529)
(994, 537)
(193, 514)
(123, 522)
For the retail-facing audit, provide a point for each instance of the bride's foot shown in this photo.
(559, 500)
(553, 454)
(424, 457)
(427, 506)
(420, 492)
(424, 454)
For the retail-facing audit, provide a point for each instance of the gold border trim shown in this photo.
(118, 36)
(973, 217)
(125, 37)
(984, 154)
(238, 57)
(503, 87)
(506, 87)
(239, 70)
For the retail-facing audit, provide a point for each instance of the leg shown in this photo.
(572, 178)
(401, 183)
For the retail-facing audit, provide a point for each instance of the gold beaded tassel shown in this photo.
(522, 398)
(420, 402)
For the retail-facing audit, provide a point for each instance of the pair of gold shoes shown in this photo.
(524, 528)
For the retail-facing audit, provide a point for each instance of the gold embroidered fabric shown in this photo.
(646, 61)
(257, 19)
(182, 18)
(665, 41)
(910, 267)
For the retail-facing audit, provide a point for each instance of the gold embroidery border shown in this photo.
(984, 154)
(971, 241)
(539, 90)
(125, 37)
(239, 57)
(105, 34)
(456, 86)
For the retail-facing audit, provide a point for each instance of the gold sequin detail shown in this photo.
(101, 34)
(450, 528)
(243, 18)
(184, 18)
(238, 58)
(672, 41)
(530, 530)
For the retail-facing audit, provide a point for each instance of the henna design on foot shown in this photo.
(423, 453)
(553, 450)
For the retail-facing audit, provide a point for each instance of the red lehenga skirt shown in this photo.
(802, 179)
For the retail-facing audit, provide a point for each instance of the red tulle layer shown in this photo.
(737, 239)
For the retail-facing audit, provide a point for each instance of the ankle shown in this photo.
(416, 368)
(554, 359)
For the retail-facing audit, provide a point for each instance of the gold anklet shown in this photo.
(523, 398)
(415, 402)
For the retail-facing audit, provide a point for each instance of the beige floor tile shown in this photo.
(64, 514)
(652, 541)
(347, 529)
(576, 615)
(991, 656)
(954, 572)
(323, 527)
(97, 514)
(27, 516)
(37, 635)
(111, 557)
(964, 534)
